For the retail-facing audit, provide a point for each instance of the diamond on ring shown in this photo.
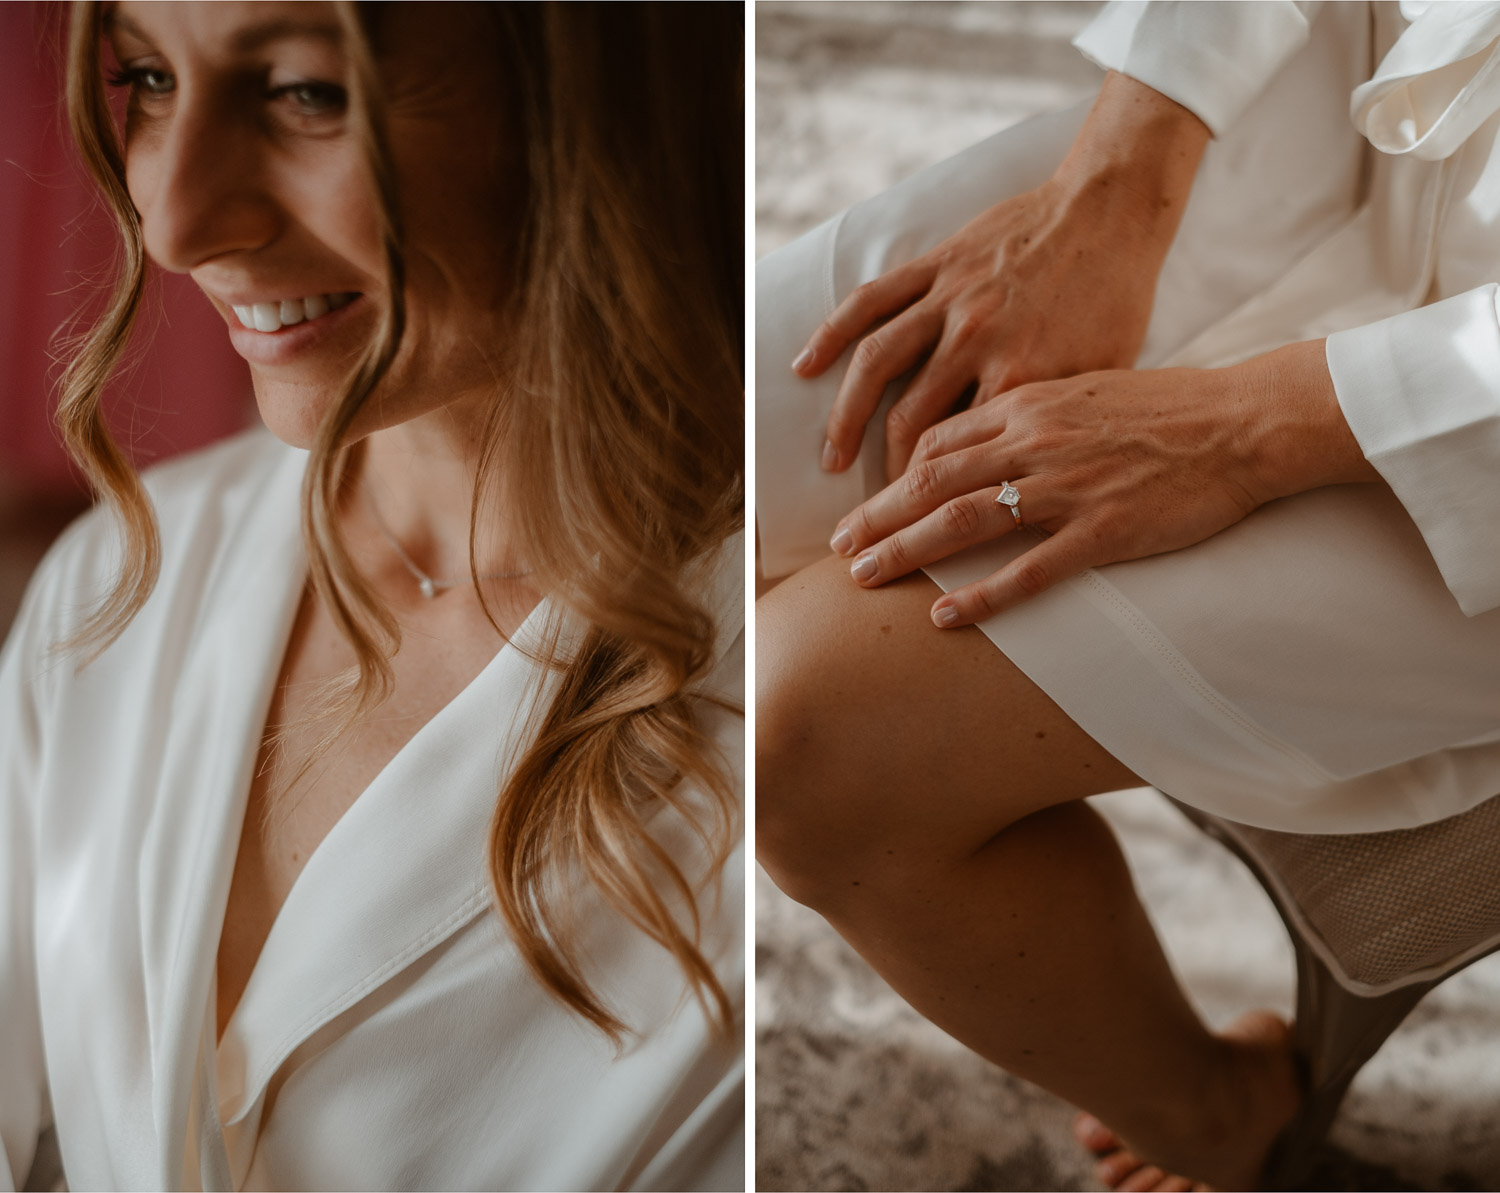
(1010, 496)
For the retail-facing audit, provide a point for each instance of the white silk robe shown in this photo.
(1332, 662)
(389, 1037)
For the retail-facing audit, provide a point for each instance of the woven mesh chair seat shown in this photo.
(1391, 909)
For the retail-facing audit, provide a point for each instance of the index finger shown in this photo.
(919, 491)
(865, 306)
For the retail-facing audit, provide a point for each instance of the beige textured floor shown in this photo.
(854, 1090)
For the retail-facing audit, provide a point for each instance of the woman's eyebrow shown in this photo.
(113, 20)
(253, 37)
(248, 39)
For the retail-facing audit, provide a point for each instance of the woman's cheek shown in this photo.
(140, 172)
(332, 200)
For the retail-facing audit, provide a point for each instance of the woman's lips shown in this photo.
(283, 345)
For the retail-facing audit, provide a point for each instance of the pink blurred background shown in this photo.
(187, 387)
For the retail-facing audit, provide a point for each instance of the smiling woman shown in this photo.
(369, 792)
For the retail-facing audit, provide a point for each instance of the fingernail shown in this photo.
(944, 617)
(830, 456)
(804, 358)
(864, 568)
(842, 541)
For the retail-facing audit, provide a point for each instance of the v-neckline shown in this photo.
(405, 876)
(275, 621)
(247, 778)
(394, 877)
(300, 603)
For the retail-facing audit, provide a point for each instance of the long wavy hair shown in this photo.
(618, 428)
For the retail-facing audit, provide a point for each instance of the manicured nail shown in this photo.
(830, 456)
(864, 568)
(842, 541)
(945, 617)
(804, 358)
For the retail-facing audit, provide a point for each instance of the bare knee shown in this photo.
(879, 750)
(830, 776)
(842, 774)
(799, 830)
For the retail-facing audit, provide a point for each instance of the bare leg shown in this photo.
(923, 795)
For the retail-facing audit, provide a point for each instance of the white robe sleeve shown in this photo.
(1438, 83)
(1213, 59)
(1421, 392)
(24, 1109)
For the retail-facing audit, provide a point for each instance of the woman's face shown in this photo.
(242, 162)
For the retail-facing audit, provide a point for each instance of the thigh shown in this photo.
(880, 732)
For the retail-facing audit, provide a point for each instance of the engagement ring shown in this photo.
(1011, 496)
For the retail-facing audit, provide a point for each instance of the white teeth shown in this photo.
(273, 316)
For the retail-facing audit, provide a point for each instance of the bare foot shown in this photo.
(1224, 1146)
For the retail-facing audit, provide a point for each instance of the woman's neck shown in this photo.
(414, 483)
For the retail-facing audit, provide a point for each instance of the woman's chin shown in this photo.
(293, 413)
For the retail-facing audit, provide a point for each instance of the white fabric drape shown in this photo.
(1422, 391)
(389, 1037)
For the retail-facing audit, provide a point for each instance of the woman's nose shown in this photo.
(200, 189)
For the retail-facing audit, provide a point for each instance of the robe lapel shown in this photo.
(219, 710)
(400, 872)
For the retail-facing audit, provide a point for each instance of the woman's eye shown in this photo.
(305, 100)
(313, 99)
(143, 80)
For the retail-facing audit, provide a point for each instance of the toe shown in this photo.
(1142, 1180)
(1117, 1167)
(1094, 1135)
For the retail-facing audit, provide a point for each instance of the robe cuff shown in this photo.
(1421, 392)
(1213, 59)
(1436, 85)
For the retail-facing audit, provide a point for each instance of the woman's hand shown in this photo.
(1052, 283)
(1114, 466)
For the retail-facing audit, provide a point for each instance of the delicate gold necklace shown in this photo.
(428, 586)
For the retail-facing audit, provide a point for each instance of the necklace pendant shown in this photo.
(426, 585)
